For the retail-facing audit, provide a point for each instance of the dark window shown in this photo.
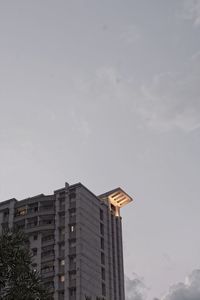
(101, 229)
(72, 212)
(102, 243)
(101, 214)
(103, 289)
(72, 275)
(35, 237)
(72, 291)
(72, 195)
(103, 274)
(61, 295)
(102, 258)
(72, 243)
(113, 209)
(72, 259)
(34, 251)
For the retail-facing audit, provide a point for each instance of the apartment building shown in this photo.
(76, 239)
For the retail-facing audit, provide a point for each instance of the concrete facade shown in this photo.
(76, 240)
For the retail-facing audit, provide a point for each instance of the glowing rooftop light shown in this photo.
(117, 197)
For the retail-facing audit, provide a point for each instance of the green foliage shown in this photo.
(17, 279)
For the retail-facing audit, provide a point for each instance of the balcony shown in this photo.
(46, 274)
(72, 219)
(47, 255)
(72, 266)
(32, 210)
(62, 253)
(50, 209)
(72, 283)
(42, 225)
(61, 238)
(32, 225)
(72, 204)
(61, 269)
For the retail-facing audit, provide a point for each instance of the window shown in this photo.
(101, 214)
(34, 251)
(21, 211)
(72, 275)
(62, 203)
(102, 243)
(103, 289)
(72, 243)
(72, 259)
(62, 262)
(62, 231)
(102, 258)
(35, 237)
(72, 228)
(113, 209)
(72, 194)
(101, 229)
(72, 291)
(103, 275)
(6, 214)
(47, 238)
(47, 268)
(72, 212)
(62, 278)
(61, 295)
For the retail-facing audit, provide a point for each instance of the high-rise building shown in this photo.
(76, 239)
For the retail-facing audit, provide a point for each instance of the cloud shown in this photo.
(166, 102)
(192, 11)
(190, 290)
(135, 288)
(171, 100)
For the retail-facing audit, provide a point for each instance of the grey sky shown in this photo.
(108, 93)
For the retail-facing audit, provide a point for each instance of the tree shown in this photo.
(18, 280)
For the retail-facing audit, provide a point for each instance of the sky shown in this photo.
(107, 93)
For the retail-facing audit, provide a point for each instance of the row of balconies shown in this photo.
(34, 211)
(38, 209)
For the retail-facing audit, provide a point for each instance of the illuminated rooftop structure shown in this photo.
(117, 198)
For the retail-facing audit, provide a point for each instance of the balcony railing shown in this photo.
(46, 208)
(32, 226)
(72, 266)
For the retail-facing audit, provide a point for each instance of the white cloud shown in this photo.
(135, 288)
(189, 290)
(192, 11)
